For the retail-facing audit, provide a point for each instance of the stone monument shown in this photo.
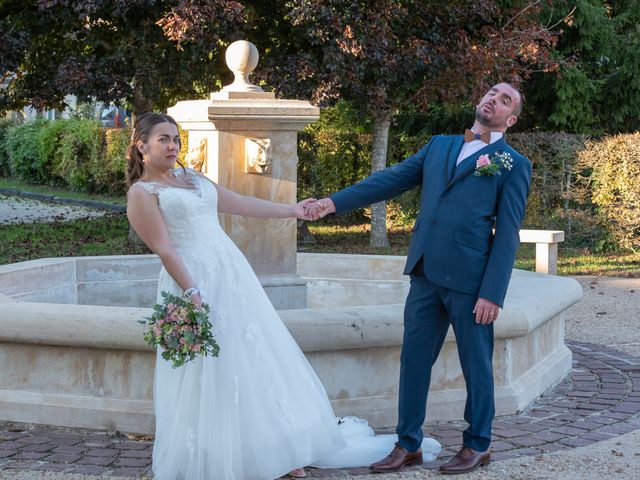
(249, 140)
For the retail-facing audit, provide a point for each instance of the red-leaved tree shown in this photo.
(131, 51)
(386, 55)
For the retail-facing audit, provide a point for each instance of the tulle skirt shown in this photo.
(258, 410)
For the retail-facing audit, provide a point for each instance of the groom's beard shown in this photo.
(485, 119)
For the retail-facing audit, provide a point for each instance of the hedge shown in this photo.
(587, 187)
(5, 126)
(608, 173)
(77, 154)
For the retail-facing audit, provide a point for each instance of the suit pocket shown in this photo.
(475, 242)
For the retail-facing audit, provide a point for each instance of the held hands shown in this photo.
(316, 209)
(300, 209)
(486, 311)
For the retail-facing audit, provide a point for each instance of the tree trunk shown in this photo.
(381, 123)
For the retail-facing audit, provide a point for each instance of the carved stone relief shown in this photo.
(196, 158)
(258, 155)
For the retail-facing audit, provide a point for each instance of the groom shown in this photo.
(458, 266)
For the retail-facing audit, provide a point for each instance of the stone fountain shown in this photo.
(72, 348)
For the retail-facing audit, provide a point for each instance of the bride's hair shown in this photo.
(141, 131)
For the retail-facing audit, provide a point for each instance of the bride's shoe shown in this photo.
(297, 473)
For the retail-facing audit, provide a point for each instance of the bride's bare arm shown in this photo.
(232, 202)
(145, 218)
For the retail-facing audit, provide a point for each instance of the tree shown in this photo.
(386, 55)
(597, 87)
(127, 50)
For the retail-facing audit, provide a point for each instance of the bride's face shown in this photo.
(161, 149)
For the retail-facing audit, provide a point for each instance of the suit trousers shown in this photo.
(429, 310)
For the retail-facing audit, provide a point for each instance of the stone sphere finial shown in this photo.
(242, 59)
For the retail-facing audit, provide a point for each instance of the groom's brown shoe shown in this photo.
(398, 458)
(466, 460)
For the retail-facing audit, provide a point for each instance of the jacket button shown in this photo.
(433, 222)
(443, 199)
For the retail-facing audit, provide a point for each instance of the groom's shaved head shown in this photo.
(519, 101)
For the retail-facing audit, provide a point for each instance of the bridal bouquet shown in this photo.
(180, 329)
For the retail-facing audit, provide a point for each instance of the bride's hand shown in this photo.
(196, 299)
(300, 210)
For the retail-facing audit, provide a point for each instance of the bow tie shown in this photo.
(470, 136)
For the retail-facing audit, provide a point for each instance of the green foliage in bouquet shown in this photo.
(181, 330)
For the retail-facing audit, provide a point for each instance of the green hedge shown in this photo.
(77, 154)
(5, 167)
(607, 176)
(24, 149)
(586, 187)
(583, 186)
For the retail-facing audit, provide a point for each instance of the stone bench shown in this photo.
(546, 248)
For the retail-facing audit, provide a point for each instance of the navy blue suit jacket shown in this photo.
(458, 210)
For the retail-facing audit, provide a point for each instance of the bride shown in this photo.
(258, 411)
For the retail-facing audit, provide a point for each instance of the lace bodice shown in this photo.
(190, 214)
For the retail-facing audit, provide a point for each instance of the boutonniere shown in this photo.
(491, 165)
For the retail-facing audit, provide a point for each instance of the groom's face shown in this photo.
(497, 109)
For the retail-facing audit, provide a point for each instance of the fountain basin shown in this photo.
(74, 355)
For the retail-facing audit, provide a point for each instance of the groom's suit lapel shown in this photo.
(468, 165)
(452, 157)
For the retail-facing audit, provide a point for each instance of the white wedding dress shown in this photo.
(258, 410)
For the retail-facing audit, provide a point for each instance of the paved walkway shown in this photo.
(600, 400)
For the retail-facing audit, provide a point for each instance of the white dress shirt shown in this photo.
(469, 148)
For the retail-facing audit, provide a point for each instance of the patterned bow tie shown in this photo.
(470, 136)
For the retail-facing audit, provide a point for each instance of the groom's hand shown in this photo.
(486, 311)
(320, 208)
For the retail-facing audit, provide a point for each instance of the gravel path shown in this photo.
(608, 314)
(24, 210)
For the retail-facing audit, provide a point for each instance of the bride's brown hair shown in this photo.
(141, 131)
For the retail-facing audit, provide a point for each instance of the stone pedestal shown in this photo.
(246, 140)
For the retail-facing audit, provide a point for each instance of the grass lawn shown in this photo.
(331, 237)
(106, 235)
(109, 236)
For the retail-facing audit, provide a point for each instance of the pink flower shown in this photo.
(195, 347)
(483, 161)
(157, 330)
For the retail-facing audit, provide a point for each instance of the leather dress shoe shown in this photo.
(466, 460)
(398, 458)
